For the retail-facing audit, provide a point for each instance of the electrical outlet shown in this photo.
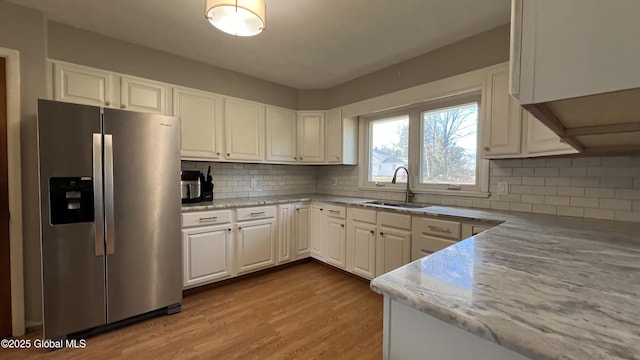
(254, 182)
(503, 188)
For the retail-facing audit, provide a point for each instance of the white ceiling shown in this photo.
(307, 44)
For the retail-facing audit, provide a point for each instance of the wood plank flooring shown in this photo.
(306, 311)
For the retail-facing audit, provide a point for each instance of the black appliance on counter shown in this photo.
(207, 186)
(195, 187)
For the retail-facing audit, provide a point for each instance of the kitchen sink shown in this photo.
(397, 204)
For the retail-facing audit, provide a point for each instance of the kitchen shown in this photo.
(582, 187)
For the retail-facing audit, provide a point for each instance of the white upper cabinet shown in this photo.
(83, 85)
(245, 129)
(542, 141)
(572, 48)
(281, 134)
(502, 117)
(201, 123)
(341, 138)
(311, 127)
(144, 95)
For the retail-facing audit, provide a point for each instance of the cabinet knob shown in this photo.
(486, 148)
(295, 158)
(372, 232)
(321, 209)
(381, 233)
(298, 210)
(229, 229)
(239, 229)
(228, 154)
(301, 158)
(218, 153)
(562, 140)
(108, 103)
(341, 225)
(338, 157)
(124, 106)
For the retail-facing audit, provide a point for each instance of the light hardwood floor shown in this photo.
(306, 311)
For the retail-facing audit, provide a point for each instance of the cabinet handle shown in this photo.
(258, 213)
(108, 103)
(124, 106)
(439, 229)
(486, 148)
(334, 211)
(213, 218)
(381, 233)
(562, 140)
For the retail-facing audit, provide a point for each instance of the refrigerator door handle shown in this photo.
(97, 194)
(108, 192)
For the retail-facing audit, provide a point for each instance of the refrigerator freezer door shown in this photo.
(73, 271)
(144, 271)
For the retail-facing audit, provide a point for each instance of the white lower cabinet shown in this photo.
(336, 237)
(318, 232)
(286, 232)
(393, 241)
(431, 235)
(302, 236)
(256, 241)
(361, 242)
(207, 240)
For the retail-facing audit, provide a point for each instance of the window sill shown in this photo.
(443, 192)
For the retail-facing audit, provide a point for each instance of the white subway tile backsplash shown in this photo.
(594, 187)
(616, 204)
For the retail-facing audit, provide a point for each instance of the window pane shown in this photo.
(389, 148)
(449, 145)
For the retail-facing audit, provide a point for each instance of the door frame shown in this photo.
(12, 63)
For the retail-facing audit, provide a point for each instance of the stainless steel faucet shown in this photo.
(409, 194)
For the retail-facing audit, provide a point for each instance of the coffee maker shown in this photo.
(191, 186)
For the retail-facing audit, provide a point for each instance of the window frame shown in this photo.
(414, 111)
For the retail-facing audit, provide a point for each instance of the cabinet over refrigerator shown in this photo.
(110, 216)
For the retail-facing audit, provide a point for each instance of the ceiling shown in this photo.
(307, 44)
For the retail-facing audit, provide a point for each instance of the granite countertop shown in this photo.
(547, 287)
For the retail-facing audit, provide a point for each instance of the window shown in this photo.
(438, 141)
(389, 148)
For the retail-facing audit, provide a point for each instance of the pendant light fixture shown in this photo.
(237, 17)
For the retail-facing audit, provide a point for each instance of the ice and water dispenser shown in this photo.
(71, 200)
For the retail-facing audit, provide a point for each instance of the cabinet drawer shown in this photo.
(256, 213)
(435, 227)
(367, 216)
(336, 211)
(425, 245)
(394, 220)
(202, 218)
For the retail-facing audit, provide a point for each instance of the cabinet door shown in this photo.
(361, 240)
(502, 117)
(256, 245)
(336, 242)
(393, 249)
(281, 134)
(285, 232)
(143, 95)
(311, 127)
(302, 228)
(200, 116)
(318, 232)
(244, 126)
(207, 255)
(83, 85)
(542, 141)
(334, 136)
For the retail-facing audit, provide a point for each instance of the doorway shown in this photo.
(5, 260)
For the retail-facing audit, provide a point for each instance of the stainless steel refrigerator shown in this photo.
(110, 215)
